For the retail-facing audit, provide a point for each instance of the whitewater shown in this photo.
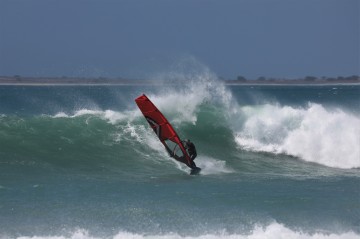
(278, 161)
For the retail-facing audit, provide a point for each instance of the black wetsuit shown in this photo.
(192, 152)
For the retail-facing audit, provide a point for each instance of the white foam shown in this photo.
(61, 115)
(211, 166)
(315, 134)
(272, 231)
(208, 165)
(111, 116)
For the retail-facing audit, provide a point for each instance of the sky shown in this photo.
(142, 38)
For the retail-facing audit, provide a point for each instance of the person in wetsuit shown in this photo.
(190, 148)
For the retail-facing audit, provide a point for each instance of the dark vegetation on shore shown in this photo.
(240, 80)
(306, 80)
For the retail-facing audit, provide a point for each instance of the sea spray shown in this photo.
(192, 85)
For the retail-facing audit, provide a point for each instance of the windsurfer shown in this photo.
(190, 148)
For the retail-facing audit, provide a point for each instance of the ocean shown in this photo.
(278, 161)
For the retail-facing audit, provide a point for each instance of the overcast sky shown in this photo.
(140, 38)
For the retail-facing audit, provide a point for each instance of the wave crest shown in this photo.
(314, 134)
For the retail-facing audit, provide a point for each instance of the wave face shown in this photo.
(278, 162)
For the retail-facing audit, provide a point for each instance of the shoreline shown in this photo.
(32, 81)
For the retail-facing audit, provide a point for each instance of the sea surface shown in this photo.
(277, 162)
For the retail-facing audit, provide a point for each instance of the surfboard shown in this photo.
(164, 131)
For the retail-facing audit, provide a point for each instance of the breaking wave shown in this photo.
(314, 134)
(206, 109)
(330, 137)
(272, 231)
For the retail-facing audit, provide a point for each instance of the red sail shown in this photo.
(163, 130)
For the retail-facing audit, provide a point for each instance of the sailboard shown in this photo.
(164, 131)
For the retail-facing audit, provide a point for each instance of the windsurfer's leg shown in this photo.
(193, 165)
